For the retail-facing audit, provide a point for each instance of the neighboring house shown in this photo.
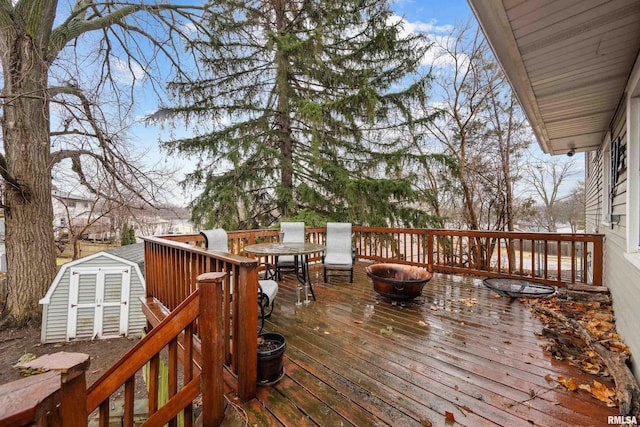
(69, 210)
(72, 211)
(97, 296)
(575, 69)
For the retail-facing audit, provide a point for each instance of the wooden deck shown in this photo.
(455, 353)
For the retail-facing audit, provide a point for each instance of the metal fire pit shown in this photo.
(517, 288)
(398, 281)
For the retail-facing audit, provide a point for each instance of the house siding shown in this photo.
(56, 315)
(621, 273)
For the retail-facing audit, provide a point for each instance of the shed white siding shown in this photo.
(94, 297)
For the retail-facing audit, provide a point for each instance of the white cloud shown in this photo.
(439, 35)
(127, 72)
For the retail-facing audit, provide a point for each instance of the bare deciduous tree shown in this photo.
(480, 130)
(70, 56)
(545, 178)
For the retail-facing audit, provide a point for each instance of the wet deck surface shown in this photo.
(454, 356)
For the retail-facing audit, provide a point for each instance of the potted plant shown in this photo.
(271, 347)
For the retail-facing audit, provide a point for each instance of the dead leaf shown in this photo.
(598, 328)
(421, 323)
(464, 408)
(426, 423)
(568, 383)
(326, 332)
(450, 418)
(602, 393)
(590, 368)
(617, 346)
(585, 387)
(506, 342)
(469, 302)
(549, 378)
(496, 296)
(358, 322)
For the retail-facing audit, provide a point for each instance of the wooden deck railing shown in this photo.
(172, 264)
(183, 312)
(60, 397)
(553, 258)
(199, 312)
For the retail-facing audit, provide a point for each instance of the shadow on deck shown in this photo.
(455, 353)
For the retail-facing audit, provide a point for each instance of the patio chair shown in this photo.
(293, 233)
(339, 253)
(218, 240)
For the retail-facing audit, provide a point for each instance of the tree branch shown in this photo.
(75, 26)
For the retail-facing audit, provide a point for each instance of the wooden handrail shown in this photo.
(31, 401)
(170, 271)
(204, 305)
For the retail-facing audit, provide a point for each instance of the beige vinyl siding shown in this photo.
(623, 280)
(620, 275)
(594, 192)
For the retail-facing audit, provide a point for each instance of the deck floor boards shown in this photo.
(355, 358)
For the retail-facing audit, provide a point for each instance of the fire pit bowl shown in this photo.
(398, 281)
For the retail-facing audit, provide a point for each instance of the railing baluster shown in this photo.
(104, 414)
(152, 383)
(129, 401)
(172, 366)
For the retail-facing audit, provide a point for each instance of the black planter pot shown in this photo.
(270, 360)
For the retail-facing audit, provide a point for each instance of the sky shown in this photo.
(431, 16)
(435, 17)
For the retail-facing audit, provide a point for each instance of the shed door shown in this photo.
(98, 302)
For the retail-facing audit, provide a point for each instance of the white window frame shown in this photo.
(632, 253)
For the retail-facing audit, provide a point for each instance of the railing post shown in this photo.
(429, 236)
(598, 260)
(73, 384)
(212, 342)
(246, 344)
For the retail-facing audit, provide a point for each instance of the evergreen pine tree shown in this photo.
(125, 235)
(307, 102)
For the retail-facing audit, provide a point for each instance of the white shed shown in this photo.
(96, 297)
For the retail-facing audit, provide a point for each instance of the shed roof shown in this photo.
(133, 253)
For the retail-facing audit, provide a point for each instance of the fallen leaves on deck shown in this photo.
(449, 417)
(597, 389)
(388, 330)
(469, 302)
(597, 319)
(603, 393)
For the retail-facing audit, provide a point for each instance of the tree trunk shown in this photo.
(284, 120)
(31, 258)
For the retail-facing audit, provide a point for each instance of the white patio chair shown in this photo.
(218, 240)
(339, 253)
(293, 233)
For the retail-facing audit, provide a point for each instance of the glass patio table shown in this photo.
(296, 249)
